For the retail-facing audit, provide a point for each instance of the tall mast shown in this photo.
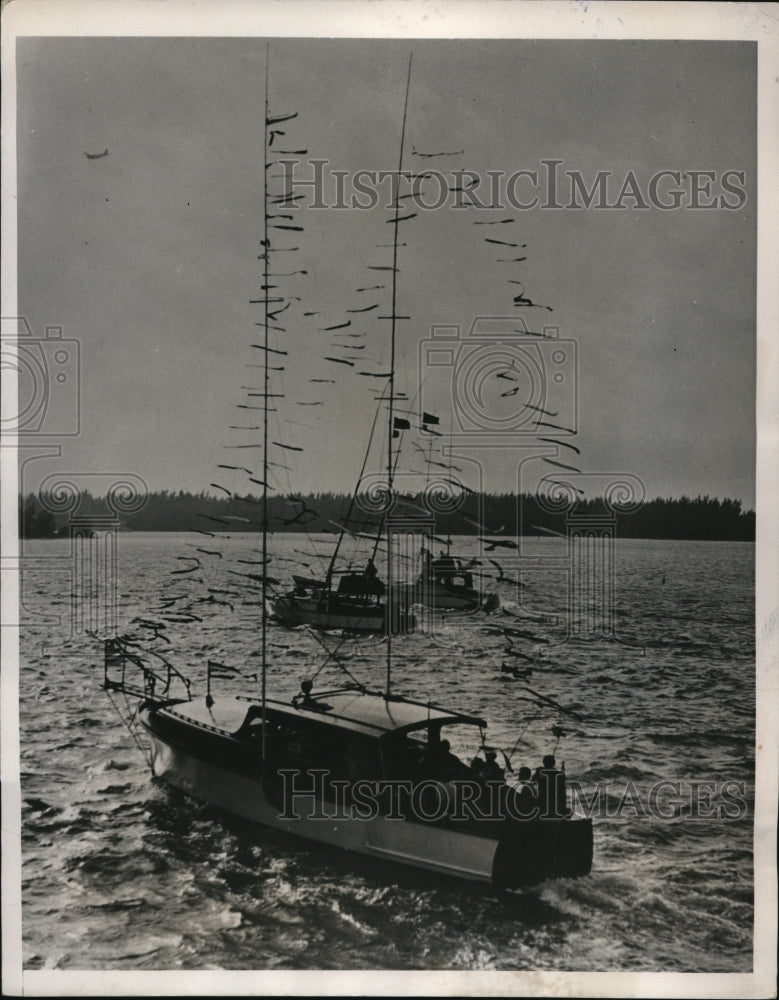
(391, 428)
(266, 256)
(352, 501)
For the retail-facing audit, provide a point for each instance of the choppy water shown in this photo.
(120, 872)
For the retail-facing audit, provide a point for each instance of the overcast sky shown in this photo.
(149, 256)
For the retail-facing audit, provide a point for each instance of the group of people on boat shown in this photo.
(543, 790)
(540, 793)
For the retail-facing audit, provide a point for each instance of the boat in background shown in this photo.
(359, 603)
(446, 583)
(356, 605)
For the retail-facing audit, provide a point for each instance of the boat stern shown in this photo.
(542, 849)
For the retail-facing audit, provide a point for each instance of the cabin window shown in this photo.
(344, 754)
(402, 756)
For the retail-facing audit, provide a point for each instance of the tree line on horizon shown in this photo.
(489, 515)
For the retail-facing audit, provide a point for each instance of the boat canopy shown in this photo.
(375, 715)
(308, 581)
(355, 711)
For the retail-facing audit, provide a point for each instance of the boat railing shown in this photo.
(126, 670)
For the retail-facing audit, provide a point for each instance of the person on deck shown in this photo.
(550, 782)
(525, 793)
(373, 584)
(441, 763)
(492, 770)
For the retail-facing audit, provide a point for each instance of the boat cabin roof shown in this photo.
(355, 711)
(373, 714)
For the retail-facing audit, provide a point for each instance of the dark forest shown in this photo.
(502, 515)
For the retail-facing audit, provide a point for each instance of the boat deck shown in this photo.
(226, 715)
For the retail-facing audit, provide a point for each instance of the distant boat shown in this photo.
(355, 605)
(446, 584)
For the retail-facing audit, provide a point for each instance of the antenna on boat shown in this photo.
(391, 422)
(449, 470)
(265, 352)
(352, 501)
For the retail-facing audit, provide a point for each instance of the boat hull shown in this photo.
(462, 855)
(367, 619)
(217, 769)
(433, 595)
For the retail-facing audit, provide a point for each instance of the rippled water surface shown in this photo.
(121, 872)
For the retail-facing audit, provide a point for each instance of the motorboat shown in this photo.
(446, 583)
(355, 605)
(369, 772)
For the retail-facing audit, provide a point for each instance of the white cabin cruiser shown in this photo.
(362, 771)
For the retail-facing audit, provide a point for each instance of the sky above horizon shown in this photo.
(148, 256)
